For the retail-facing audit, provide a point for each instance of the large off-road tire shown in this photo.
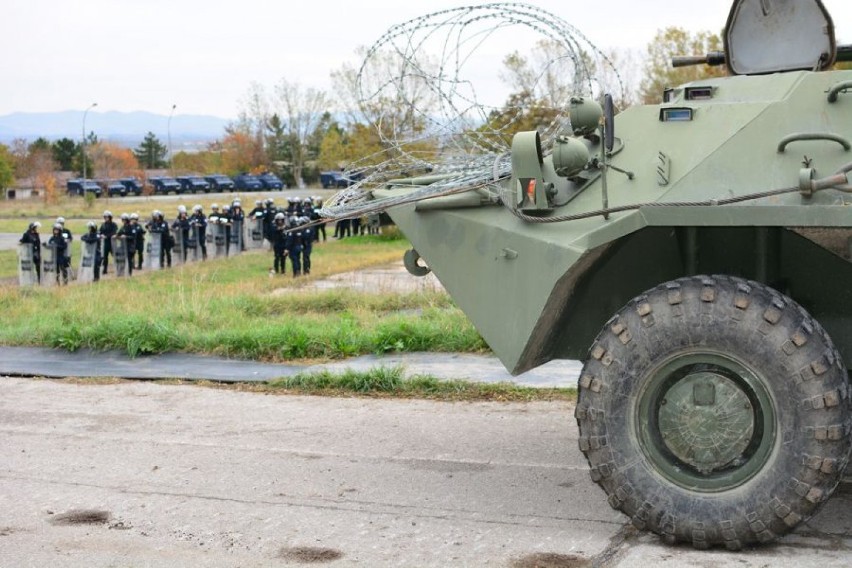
(715, 411)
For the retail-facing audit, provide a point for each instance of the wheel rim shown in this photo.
(706, 421)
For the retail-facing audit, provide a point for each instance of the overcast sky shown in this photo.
(202, 55)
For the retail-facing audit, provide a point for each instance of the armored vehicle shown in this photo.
(165, 185)
(270, 181)
(132, 184)
(697, 255)
(82, 187)
(113, 188)
(220, 182)
(248, 182)
(193, 184)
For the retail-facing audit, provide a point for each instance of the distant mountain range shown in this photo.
(126, 128)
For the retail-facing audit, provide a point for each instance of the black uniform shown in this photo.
(180, 228)
(293, 246)
(160, 226)
(279, 247)
(60, 245)
(93, 237)
(129, 232)
(140, 243)
(308, 236)
(200, 222)
(32, 238)
(108, 229)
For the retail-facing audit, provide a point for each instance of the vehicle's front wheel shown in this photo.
(715, 411)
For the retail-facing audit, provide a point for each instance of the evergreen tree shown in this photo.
(151, 153)
(65, 153)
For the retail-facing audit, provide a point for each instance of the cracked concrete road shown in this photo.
(146, 474)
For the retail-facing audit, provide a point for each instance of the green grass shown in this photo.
(391, 382)
(231, 307)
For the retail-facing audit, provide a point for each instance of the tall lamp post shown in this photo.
(93, 105)
(169, 129)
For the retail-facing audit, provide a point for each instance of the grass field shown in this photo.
(227, 307)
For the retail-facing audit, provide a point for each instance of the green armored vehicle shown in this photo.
(696, 255)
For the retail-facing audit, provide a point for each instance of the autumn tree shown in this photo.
(302, 110)
(113, 161)
(151, 153)
(659, 74)
(240, 150)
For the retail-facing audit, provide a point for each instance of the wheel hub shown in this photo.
(706, 421)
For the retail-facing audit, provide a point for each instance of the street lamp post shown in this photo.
(93, 105)
(169, 129)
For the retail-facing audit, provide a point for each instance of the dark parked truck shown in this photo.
(220, 182)
(248, 182)
(83, 186)
(133, 185)
(193, 184)
(697, 255)
(165, 185)
(270, 181)
(113, 188)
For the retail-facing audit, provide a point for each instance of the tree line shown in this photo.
(293, 131)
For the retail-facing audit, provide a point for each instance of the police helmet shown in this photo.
(181, 209)
(237, 203)
(125, 217)
(108, 214)
(269, 201)
(134, 216)
(293, 219)
(35, 225)
(196, 208)
(92, 225)
(215, 207)
(258, 202)
(60, 220)
(279, 216)
(57, 226)
(307, 200)
(226, 208)
(318, 202)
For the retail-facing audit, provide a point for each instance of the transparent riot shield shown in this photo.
(179, 248)
(49, 270)
(236, 237)
(155, 244)
(192, 248)
(119, 254)
(88, 253)
(219, 244)
(208, 238)
(27, 272)
(254, 233)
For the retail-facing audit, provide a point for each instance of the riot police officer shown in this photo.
(180, 228)
(279, 238)
(158, 225)
(308, 234)
(92, 236)
(66, 234)
(238, 219)
(60, 245)
(32, 238)
(107, 230)
(293, 246)
(199, 220)
(315, 216)
(139, 231)
(128, 232)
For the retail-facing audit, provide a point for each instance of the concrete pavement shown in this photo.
(144, 474)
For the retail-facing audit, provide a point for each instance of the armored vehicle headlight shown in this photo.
(570, 156)
(585, 116)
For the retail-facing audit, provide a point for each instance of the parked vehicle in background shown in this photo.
(112, 187)
(83, 186)
(193, 184)
(220, 182)
(165, 185)
(333, 179)
(132, 185)
(270, 181)
(248, 182)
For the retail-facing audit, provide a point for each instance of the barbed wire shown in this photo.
(416, 86)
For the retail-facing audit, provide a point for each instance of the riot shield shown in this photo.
(88, 252)
(208, 237)
(119, 255)
(236, 237)
(179, 247)
(255, 233)
(27, 273)
(49, 270)
(155, 244)
(219, 244)
(192, 252)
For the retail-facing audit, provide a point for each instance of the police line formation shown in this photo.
(290, 231)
